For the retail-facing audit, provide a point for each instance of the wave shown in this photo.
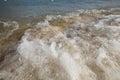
(7, 28)
(83, 45)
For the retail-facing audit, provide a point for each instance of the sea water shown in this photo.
(81, 44)
(12, 9)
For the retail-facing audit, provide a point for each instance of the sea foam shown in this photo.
(83, 45)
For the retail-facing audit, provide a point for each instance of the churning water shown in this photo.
(83, 45)
(80, 45)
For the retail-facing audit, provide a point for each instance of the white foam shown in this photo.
(78, 51)
(74, 53)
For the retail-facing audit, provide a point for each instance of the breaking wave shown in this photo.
(7, 28)
(83, 45)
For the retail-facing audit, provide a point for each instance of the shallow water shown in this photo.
(27, 9)
(81, 45)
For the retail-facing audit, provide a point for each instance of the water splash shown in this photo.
(7, 28)
(82, 45)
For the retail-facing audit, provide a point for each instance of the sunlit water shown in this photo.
(82, 45)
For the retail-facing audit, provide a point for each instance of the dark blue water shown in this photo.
(32, 8)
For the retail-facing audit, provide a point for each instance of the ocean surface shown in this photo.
(59, 39)
(23, 9)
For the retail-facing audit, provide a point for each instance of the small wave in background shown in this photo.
(81, 45)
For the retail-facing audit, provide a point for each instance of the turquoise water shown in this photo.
(11, 9)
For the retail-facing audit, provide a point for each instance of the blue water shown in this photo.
(33, 8)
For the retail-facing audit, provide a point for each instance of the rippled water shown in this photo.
(25, 9)
(81, 45)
